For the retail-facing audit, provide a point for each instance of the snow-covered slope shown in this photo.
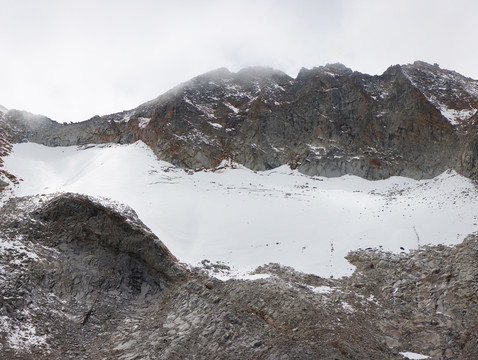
(246, 218)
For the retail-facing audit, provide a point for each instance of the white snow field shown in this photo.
(245, 218)
(413, 356)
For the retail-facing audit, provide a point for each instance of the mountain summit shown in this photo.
(414, 120)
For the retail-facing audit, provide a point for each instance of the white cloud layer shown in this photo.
(73, 59)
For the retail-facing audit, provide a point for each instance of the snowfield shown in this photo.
(246, 219)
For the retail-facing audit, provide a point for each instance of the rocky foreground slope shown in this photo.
(414, 120)
(83, 280)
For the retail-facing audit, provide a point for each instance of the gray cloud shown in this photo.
(73, 59)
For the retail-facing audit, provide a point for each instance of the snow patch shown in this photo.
(330, 74)
(216, 125)
(278, 87)
(143, 122)
(319, 151)
(188, 101)
(414, 356)
(373, 300)
(18, 249)
(347, 307)
(276, 149)
(197, 137)
(21, 337)
(126, 117)
(321, 289)
(236, 91)
(207, 110)
(456, 116)
(232, 107)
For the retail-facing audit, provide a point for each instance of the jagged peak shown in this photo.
(218, 77)
(198, 81)
(453, 94)
(28, 116)
(210, 76)
(337, 68)
(27, 119)
(393, 70)
(423, 65)
(216, 74)
(331, 69)
(260, 72)
(435, 68)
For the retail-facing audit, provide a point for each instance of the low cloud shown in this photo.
(72, 60)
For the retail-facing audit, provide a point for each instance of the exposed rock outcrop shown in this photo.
(7, 136)
(428, 297)
(70, 271)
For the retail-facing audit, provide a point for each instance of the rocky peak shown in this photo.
(219, 75)
(27, 120)
(392, 72)
(336, 69)
(329, 70)
(454, 95)
(260, 72)
(221, 86)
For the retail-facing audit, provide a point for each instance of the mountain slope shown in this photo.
(329, 121)
(84, 279)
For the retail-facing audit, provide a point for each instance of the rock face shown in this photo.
(7, 136)
(414, 120)
(84, 280)
(428, 298)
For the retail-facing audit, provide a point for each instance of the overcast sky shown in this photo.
(70, 60)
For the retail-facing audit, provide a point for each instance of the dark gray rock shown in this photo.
(427, 297)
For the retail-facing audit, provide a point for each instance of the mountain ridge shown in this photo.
(327, 121)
